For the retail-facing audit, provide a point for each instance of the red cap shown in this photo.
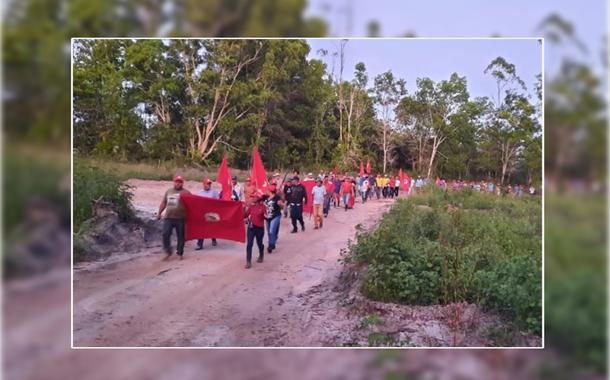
(178, 178)
(248, 179)
(207, 180)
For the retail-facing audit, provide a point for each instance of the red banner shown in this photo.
(368, 167)
(258, 175)
(308, 208)
(213, 218)
(361, 169)
(224, 178)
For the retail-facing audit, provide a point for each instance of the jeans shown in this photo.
(364, 195)
(273, 230)
(168, 225)
(396, 188)
(286, 209)
(200, 242)
(346, 199)
(258, 233)
(296, 214)
(326, 207)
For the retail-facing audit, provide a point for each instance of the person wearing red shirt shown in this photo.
(346, 191)
(255, 215)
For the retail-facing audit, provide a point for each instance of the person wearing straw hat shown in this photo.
(173, 217)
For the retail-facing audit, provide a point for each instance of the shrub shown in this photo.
(90, 184)
(482, 249)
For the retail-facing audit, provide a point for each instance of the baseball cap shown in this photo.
(295, 178)
(234, 178)
(207, 180)
(178, 178)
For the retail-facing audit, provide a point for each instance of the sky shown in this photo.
(470, 18)
(410, 59)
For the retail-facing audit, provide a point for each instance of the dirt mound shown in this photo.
(104, 235)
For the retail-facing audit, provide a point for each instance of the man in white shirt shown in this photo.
(238, 190)
(207, 192)
(318, 192)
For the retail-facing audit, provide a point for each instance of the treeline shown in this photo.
(194, 100)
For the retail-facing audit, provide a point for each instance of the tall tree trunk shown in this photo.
(385, 147)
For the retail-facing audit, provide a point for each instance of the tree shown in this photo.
(211, 91)
(388, 92)
(432, 114)
(513, 113)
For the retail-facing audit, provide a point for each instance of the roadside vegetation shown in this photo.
(447, 247)
(94, 184)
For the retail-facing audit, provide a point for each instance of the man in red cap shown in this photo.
(255, 215)
(207, 192)
(174, 217)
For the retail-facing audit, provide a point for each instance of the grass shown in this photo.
(444, 247)
(91, 183)
(160, 171)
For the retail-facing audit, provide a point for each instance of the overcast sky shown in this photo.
(410, 59)
(472, 18)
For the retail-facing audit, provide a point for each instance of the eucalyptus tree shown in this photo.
(388, 91)
(513, 123)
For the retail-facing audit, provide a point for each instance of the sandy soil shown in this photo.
(209, 299)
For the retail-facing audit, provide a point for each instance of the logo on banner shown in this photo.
(211, 217)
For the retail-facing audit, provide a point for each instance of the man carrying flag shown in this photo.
(208, 192)
(255, 216)
(174, 217)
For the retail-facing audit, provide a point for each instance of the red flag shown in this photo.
(335, 170)
(308, 184)
(213, 218)
(224, 178)
(361, 169)
(368, 166)
(258, 174)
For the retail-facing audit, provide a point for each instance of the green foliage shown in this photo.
(444, 247)
(575, 293)
(92, 184)
(370, 320)
(378, 339)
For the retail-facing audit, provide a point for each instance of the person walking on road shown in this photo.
(298, 197)
(238, 190)
(174, 217)
(286, 194)
(274, 206)
(255, 216)
(318, 193)
(207, 192)
(346, 192)
(330, 188)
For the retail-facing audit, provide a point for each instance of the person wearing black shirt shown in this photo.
(274, 214)
(287, 190)
(298, 197)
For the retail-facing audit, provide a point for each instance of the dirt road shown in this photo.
(209, 299)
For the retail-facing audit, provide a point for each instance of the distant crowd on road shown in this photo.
(289, 196)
